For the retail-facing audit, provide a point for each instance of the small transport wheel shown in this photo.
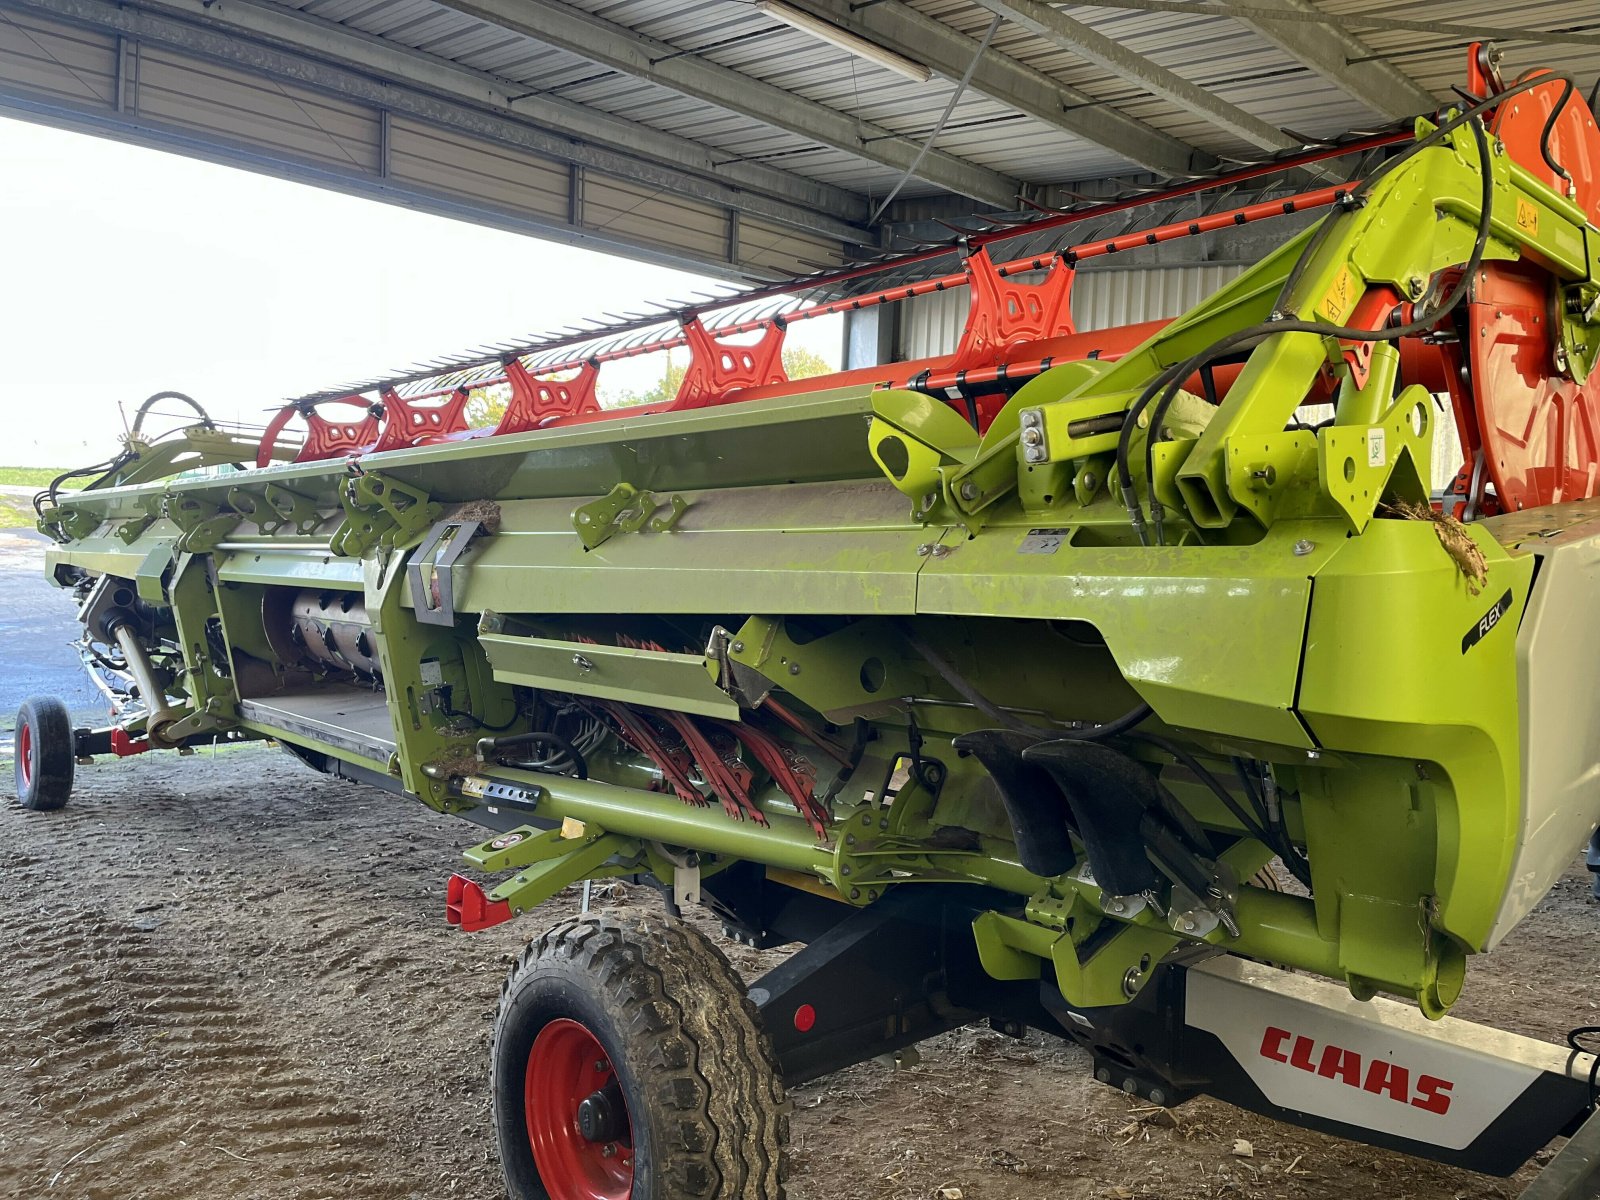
(46, 751)
(628, 1064)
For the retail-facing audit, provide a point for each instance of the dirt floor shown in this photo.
(225, 977)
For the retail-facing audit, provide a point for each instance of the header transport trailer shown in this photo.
(1130, 686)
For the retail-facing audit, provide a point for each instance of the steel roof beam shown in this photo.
(277, 41)
(619, 48)
(1333, 53)
(1002, 78)
(1058, 28)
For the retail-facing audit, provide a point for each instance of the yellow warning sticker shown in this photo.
(474, 785)
(1528, 216)
(1341, 297)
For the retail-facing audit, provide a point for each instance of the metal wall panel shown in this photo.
(626, 208)
(778, 248)
(931, 325)
(456, 163)
(272, 114)
(1102, 299)
(58, 61)
(102, 79)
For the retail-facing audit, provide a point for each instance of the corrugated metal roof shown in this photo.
(1219, 54)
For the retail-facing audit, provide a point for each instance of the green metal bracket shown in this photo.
(380, 513)
(74, 524)
(1111, 973)
(919, 444)
(624, 509)
(275, 508)
(841, 674)
(549, 861)
(152, 575)
(202, 523)
(1358, 465)
(993, 472)
(133, 529)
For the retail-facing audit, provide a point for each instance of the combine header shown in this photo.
(1127, 685)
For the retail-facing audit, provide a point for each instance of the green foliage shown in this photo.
(16, 513)
(29, 476)
(798, 363)
(486, 405)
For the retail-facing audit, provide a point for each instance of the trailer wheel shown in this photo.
(45, 753)
(628, 1064)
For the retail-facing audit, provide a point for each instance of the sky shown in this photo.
(129, 271)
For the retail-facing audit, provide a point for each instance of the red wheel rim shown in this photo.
(25, 754)
(566, 1067)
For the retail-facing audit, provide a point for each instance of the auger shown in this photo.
(1132, 686)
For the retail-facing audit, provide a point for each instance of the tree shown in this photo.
(798, 363)
(486, 405)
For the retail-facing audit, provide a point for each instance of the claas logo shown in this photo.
(1378, 1076)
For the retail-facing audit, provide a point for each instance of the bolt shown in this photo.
(855, 893)
(1313, 755)
(884, 823)
(845, 870)
(582, 663)
(1130, 1086)
(940, 551)
(1089, 480)
(1034, 453)
(1031, 417)
(969, 490)
(849, 839)
(609, 1150)
(738, 647)
(1304, 547)
(1158, 1097)
(1187, 925)
(794, 668)
(925, 549)
(1102, 1074)
(1032, 437)
(600, 1065)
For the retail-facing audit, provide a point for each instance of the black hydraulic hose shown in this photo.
(150, 401)
(1168, 381)
(1087, 731)
(1290, 856)
(579, 766)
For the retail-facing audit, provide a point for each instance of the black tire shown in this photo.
(705, 1105)
(45, 749)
